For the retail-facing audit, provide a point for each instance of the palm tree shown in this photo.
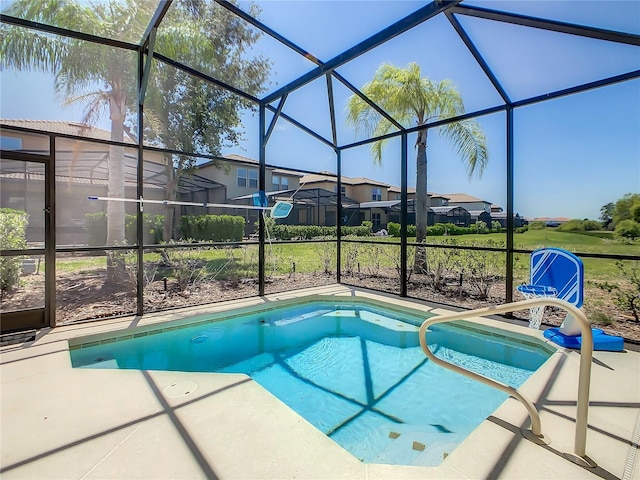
(104, 78)
(100, 77)
(413, 100)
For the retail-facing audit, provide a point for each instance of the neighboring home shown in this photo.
(81, 170)
(501, 217)
(481, 216)
(240, 176)
(450, 214)
(395, 193)
(437, 200)
(359, 189)
(461, 200)
(315, 206)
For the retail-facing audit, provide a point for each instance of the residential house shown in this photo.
(240, 176)
(395, 193)
(468, 202)
(481, 216)
(81, 171)
(450, 214)
(233, 179)
(501, 217)
(360, 190)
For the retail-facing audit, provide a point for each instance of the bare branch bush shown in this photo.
(326, 251)
(350, 256)
(626, 294)
(189, 266)
(483, 268)
(440, 265)
(372, 258)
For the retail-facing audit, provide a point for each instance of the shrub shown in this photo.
(436, 230)
(153, 228)
(308, 232)
(591, 225)
(393, 229)
(480, 227)
(96, 225)
(496, 226)
(350, 256)
(600, 318)
(13, 236)
(363, 230)
(627, 293)
(326, 251)
(484, 268)
(451, 229)
(522, 229)
(571, 226)
(537, 226)
(212, 228)
(440, 264)
(627, 229)
(580, 226)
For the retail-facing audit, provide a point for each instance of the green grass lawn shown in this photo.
(595, 269)
(318, 256)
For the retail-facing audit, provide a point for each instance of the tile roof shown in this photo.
(64, 127)
(394, 189)
(315, 178)
(460, 198)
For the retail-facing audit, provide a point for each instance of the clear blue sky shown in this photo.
(573, 155)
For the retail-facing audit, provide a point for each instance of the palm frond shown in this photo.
(471, 144)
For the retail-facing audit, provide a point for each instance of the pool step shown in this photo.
(416, 446)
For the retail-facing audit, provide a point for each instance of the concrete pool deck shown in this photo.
(59, 422)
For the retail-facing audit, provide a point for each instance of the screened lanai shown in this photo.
(533, 112)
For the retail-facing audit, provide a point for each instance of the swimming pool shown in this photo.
(351, 368)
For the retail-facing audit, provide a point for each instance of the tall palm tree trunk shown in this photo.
(422, 201)
(116, 270)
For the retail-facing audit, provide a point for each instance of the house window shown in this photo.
(242, 177)
(247, 178)
(343, 189)
(375, 219)
(376, 194)
(279, 183)
(253, 178)
(10, 143)
(398, 196)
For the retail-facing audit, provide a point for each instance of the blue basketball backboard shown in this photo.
(559, 269)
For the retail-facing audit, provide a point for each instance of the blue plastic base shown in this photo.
(601, 341)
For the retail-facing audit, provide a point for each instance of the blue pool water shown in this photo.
(355, 371)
